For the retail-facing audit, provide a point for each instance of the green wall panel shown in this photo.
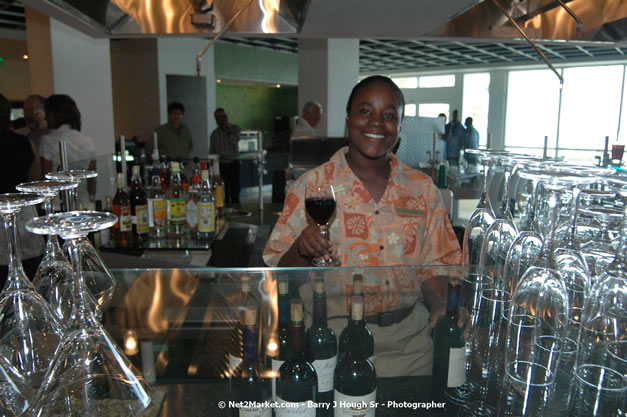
(246, 63)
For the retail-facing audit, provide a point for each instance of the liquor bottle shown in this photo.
(277, 351)
(355, 379)
(246, 301)
(206, 208)
(157, 207)
(218, 187)
(357, 291)
(321, 346)
(122, 208)
(191, 207)
(176, 203)
(297, 381)
(184, 181)
(449, 352)
(196, 168)
(164, 173)
(250, 382)
(139, 208)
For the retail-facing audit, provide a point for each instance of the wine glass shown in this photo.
(29, 331)
(15, 394)
(89, 375)
(482, 217)
(600, 383)
(53, 279)
(600, 251)
(320, 205)
(98, 279)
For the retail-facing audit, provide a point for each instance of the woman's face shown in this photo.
(374, 120)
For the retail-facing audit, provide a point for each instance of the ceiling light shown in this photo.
(25, 56)
(278, 86)
(218, 81)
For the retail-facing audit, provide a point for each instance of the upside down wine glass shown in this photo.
(90, 375)
(53, 279)
(98, 279)
(320, 205)
(29, 331)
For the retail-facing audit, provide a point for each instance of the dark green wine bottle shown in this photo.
(355, 378)
(449, 352)
(297, 382)
(277, 358)
(250, 382)
(358, 291)
(321, 349)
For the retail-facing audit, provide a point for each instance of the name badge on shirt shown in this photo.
(402, 211)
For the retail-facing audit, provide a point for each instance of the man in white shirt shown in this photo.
(306, 126)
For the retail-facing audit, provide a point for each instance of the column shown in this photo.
(327, 71)
(497, 108)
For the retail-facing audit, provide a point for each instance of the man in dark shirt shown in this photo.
(225, 142)
(173, 138)
(454, 138)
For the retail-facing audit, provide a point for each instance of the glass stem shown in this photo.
(531, 207)
(621, 253)
(15, 263)
(574, 208)
(79, 309)
(547, 248)
(485, 193)
(505, 207)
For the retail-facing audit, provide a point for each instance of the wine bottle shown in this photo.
(247, 301)
(355, 378)
(449, 352)
(321, 346)
(176, 203)
(249, 381)
(357, 291)
(139, 207)
(284, 322)
(297, 381)
(206, 207)
(122, 208)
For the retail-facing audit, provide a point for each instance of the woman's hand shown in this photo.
(310, 244)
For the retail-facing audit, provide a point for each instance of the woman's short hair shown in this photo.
(64, 110)
(373, 79)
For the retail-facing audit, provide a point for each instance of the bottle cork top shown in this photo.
(319, 286)
(245, 284)
(135, 169)
(283, 288)
(357, 307)
(250, 317)
(204, 174)
(296, 310)
(358, 284)
(175, 167)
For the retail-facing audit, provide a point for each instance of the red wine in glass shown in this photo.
(320, 205)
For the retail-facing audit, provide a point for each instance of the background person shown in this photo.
(35, 119)
(306, 126)
(471, 141)
(225, 142)
(454, 139)
(173, 138)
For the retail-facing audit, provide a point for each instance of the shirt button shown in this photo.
(376, 212)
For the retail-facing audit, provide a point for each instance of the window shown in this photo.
(406, 82)
(532, 107)
(433, 109)
(436, 81)
(410, 110)
(476, 103)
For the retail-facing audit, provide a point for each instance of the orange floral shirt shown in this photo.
(408, 226)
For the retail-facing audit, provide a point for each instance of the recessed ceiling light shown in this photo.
(218, 81)
(25, 56)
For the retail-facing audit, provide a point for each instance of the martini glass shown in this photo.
(90, 375)
(98, 279)
(29, 331)
(54, 279)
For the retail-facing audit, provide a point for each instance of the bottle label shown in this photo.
(177, 210)
(276, 364)
(347, 405)
(219, 195)
(125, 219)
(324, 370)
(255, 412)
(159, 212)
(456, 367)
(141, 218)
(191, 213)
(206, 217)
(234, 361)
(290, 409)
